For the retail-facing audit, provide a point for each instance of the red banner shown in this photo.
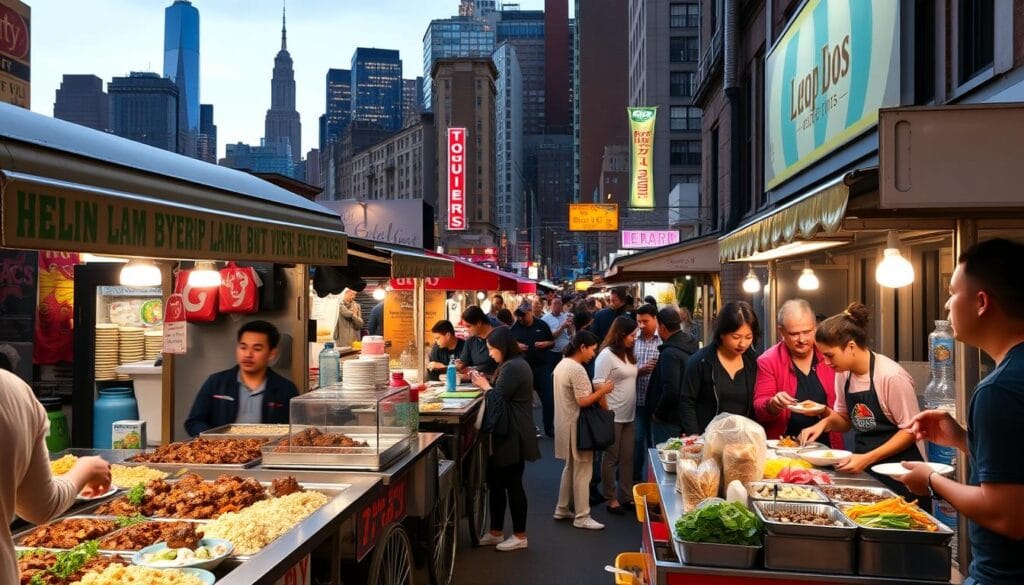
(387, 508)
(54, 341)
(456, 179)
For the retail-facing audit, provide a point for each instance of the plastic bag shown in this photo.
(745, 460)
(696, 482)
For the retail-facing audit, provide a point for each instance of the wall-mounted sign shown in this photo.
(44, 216)
(640, 239)
(397, 221)
(825, 80)
(456, 179)
(641, 166)
(593, 217)
(175, 326)
(15, 53)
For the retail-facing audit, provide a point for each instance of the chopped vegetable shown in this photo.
(70, 561)
(137, 494)
(125, 521)
(894, 513)
(723, 523)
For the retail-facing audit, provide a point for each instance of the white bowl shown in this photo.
(209, 564)
(897, 469)
(825, 457)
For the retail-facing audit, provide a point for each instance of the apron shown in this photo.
(874, 429)
(811, 390)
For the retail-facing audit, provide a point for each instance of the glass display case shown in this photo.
(336, 428)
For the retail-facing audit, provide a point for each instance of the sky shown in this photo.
(237, 44)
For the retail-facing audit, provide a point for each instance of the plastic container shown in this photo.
(645, 494)
(147, 378)
(114, 404)
(330, 366)
(57, 438)
(451, 376)
(631, 559)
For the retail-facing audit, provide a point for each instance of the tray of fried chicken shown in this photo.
(227, 453)
(189, 497)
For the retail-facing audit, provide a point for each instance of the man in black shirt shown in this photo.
(534, 337)
(446, 347)
(474, 353)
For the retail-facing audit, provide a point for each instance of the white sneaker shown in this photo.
(562, 515)
(512, 543)
(588, 523)
(491, 540)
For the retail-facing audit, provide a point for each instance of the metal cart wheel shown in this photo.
(392, 558)
(445, 534)
(476, 498)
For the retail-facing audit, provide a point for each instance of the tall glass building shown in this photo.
(181, 64)
(339, 106)
(458, 36)
(377, 87)
(524, 30)
(144, 108)
(508, 151)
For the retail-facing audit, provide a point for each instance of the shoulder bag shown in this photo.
(595, 429)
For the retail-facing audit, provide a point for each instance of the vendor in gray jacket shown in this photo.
(250, 392)
(666, 385)
(721, 376)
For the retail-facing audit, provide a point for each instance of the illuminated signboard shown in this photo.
(593, 217)
(456, 179)
(640, 239)
(641, 132)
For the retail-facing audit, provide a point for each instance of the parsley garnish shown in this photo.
(71, 561)
(30, 553)
(37, 579)
(125, 521)
(137, 494)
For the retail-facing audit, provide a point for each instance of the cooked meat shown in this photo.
(202, 451)
(794, 517)
(139, 536)
(184, 537)
(858, 495)
(283, 486)
(314, 437)
(30, 565)
(191, 497)
(68, 533)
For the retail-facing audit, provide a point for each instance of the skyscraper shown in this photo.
(458, 36)
(265, 158)
(181, 64)
(556, 67)
(81, 100)
(144, 108)
(339, 106)
(508, 107)
(206, 145)
(524, 30)
(412, 89)
(282, 123)
(377, 87)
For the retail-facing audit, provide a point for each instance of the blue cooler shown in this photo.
(114, 404)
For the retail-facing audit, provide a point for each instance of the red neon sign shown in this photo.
(456, 178)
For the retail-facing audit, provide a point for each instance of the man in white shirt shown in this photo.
(560, 323)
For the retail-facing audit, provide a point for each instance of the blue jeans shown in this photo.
(642, 441)
(663, 431)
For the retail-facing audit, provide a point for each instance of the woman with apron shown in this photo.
(874, 397)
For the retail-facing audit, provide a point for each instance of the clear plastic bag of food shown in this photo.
(697, 482)
(739, 445)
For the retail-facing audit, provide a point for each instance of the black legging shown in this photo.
(509, 479)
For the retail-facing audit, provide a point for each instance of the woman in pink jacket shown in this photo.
(791, 371)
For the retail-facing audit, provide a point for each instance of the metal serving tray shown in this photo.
(764, 508)
(818, 555)
(375, 456)
(819, 499)
(19, 536)
(109, 455)
(881, 491)
(712, 554)
(246, 431)
(904, 560)
(130, 553)
(895, 535)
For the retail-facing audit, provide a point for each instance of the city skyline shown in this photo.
(239, 41)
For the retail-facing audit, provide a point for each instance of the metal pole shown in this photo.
(419, 316)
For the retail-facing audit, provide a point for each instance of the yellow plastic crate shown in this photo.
(643, 494)
(630, 559)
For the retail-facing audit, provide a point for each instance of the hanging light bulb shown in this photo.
(481, 296)
(808, 279)
(379, 293)
(751, 284)
(204, 275)
(140, 274)
(894, 271)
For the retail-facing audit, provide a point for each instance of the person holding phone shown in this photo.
(617, 364)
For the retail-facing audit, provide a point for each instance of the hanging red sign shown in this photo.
(456, 179)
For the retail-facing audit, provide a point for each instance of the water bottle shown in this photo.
(453, 376)
(330, 365)
(940, 394)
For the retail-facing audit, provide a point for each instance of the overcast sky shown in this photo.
(238, 42)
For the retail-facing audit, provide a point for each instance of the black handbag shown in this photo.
(495, 414)
(595, 429)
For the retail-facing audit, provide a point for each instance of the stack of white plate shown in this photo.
(381, 364)
(131, 347)
(358, 373)
(106, 351)
(154, 343)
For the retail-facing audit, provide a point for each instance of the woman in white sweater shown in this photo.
(617, 364)
(573, 391)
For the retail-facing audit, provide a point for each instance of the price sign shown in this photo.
(386, 508)
(175, 327)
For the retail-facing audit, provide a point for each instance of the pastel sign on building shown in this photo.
(641, 161)
(640, 239)
(456, 178)
(825, 80)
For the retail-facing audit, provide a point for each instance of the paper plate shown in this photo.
(110, 491)
(799, 409)
(897, 469)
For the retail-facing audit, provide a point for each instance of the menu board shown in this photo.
(399, 326)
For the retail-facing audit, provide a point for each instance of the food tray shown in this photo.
(904, 560)
(712, 554)
(130, 553)
(821, 498)
(21, 534)
(763, 508)
(374, 457)
(172, 467)
(817, 555)
(258, 431)
(108, 455)
(881, 491)
(941, 536)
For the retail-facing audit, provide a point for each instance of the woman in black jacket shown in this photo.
(720, 377)
(509, 414)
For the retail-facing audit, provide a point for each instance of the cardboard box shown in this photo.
(129, 434)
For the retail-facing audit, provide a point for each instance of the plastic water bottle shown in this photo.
(452, 379)
(330, 365)
(940, 394)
